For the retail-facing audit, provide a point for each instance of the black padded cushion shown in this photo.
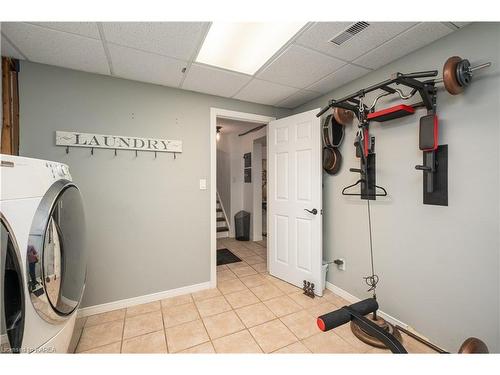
(428, 133)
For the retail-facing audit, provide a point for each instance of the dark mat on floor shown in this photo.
(225, 256)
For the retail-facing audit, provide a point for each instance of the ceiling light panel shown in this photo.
(245, 46)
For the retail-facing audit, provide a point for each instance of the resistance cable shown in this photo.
(373, 279)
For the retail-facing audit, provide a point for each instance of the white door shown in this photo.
(294, 186)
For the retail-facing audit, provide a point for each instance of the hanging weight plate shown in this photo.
(450, 76)
(343, 116)
(332, 159)
(328, 158)
(473, 345)
(464, 75)
(326, 131)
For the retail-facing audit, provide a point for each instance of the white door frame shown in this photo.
(232, 115)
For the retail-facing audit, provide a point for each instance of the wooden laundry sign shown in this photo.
(77, 139)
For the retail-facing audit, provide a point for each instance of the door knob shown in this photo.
(313, 211)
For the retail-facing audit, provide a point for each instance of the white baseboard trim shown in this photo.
(353, 299)
(105, 307)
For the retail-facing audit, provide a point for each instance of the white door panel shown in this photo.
(294, 235)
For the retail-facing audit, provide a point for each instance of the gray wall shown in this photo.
(148, 222)
(438, 266)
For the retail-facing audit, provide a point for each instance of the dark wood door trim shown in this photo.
(10, 107)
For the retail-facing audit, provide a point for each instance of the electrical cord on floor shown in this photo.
(373, 279)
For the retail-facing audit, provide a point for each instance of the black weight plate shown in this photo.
(463, 75)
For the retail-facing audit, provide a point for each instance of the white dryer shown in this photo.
(43, 244)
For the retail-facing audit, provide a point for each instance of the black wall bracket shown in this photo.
(367, 180)
(435, 181)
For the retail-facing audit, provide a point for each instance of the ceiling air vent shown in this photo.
(347, 34)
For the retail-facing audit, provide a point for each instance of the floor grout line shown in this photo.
(100, 346)
(164, 328)
(268, 281)
(123, 332)
(204, 326)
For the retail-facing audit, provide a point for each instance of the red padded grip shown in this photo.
(321, 324)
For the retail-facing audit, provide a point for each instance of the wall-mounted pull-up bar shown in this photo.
(457, 75)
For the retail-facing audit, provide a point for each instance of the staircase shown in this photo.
(222, 222)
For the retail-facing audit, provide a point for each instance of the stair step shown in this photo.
(222, 229)
(219, 210)
(221, 219)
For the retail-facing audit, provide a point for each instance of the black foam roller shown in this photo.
(341, 316)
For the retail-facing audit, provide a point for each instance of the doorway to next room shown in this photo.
(240, 202)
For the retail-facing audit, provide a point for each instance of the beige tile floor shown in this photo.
(250, 311)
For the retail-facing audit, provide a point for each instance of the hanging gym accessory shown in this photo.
(333, 135)
(457, 75)
(365, 150)
(435, 162)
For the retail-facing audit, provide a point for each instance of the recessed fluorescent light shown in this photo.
(245, 46)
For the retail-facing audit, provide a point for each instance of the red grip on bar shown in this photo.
(321, 324)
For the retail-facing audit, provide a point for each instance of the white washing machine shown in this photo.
(43, 264)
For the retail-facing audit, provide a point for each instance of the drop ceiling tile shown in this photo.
(214, 81)
(57, 48)
(88, 29)
(264, 92)
(173, 39)
(318, 37)
(409, 41)
(146, 67)
(339, 78)
(299, 67)
(9, 51)
(460, 24)
(299, 98)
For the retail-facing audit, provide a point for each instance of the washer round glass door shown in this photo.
(11, 292)
(56, 259)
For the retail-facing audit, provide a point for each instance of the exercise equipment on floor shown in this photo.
(366, 327)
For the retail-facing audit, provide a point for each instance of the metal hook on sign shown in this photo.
(155, 154)
(175, 156)
(115, 152)
(136, 154)
(92, 151)
(67, 149)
